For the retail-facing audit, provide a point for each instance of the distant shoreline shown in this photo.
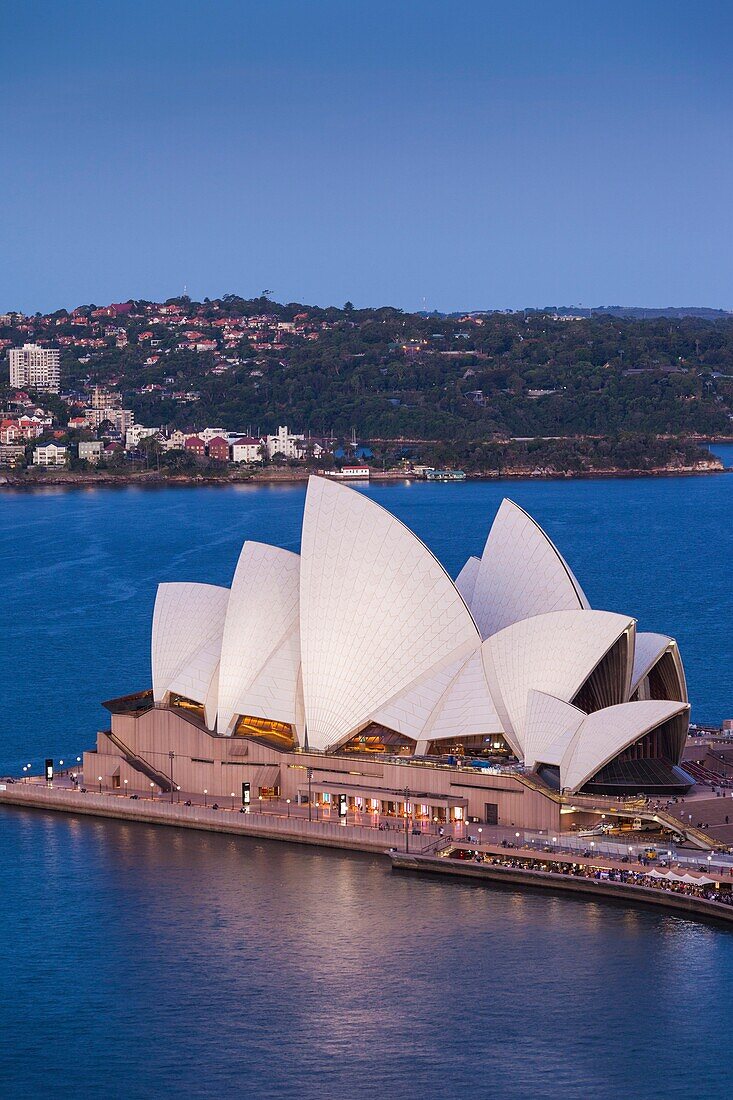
(155, 480)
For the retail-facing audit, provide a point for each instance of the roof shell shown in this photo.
(550, 725)
(466, 579)
(649, 651)
(262, 615)
(521, 574)
(408, 713)
(187, 617)
(199, 680)
(554, 653)
(606, 733)
(466, 708)
(378, 611)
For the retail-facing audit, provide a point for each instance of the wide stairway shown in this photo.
(140, 764)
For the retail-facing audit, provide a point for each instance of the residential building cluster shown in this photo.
(157, 331)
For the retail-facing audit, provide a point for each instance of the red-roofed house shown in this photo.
(195, 445)
(219, 449)
(9, 431)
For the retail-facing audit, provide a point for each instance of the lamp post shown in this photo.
(125, 787)
(310, 779)
(406, 793)
(171, 757)
(206, 793)
(287, 800)
(259, 799)
(100, 783)
(152, 791)
(233, 797)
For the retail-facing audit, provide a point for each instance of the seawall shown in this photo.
(264, 826)
(549, 880)
(348, 838)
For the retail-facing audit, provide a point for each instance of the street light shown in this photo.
(205, 796)
(310, 778)
(288, 803)
(125, 786)
(259, 797)
(406, 793)
(152, 791)
(100, 783)
(233, 797)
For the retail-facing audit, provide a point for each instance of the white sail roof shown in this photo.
(262, 615)
(465, 708)
(554, 653)
(187, 616)
(521, 574)
(647, 651)
(550, 725)
(274, 691)
(466, 579)
(377, 611)
(606, 733)
(408, 712)
(199, 679)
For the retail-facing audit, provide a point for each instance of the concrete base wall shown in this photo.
(548, 880)
(219, 765)
(263, 826)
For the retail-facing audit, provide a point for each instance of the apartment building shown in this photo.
(35, 367)
(50, 454)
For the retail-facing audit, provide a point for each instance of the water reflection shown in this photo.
(219, 960)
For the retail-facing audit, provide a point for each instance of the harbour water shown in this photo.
(139, 960)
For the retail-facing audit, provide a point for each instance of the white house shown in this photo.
(50, 454)
(137, 432)
(247, 449)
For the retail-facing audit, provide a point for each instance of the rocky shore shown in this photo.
(69, 479)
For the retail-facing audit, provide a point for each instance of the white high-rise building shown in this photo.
(35, 367)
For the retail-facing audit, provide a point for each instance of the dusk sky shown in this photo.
(440, 155)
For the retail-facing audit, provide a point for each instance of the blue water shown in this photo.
(724, 452)
(139, 961)
(78, 572)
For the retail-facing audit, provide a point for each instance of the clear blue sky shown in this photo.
(443, 154)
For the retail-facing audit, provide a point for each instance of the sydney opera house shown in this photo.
(360, 669)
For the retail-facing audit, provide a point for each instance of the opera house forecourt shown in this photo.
(357, 676)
